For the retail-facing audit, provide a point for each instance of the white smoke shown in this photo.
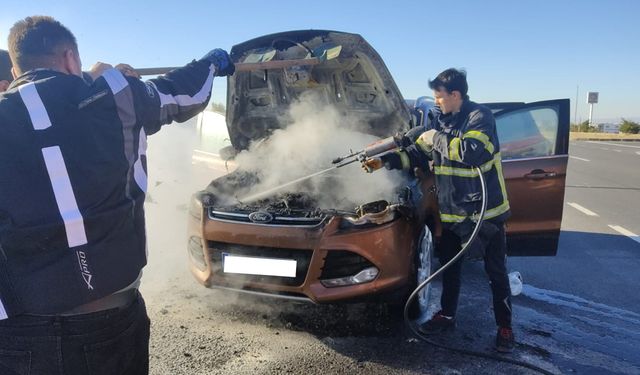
(317, 135)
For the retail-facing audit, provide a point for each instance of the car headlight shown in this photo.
(195, 207)
(381, 214)
(199, 202)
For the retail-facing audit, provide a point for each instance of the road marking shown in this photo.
(602, 148)
(625, 232)
(575, 157)
(638, 152)
(612, 144)
(585, 211)
(617, 150)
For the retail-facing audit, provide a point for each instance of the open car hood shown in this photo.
(351, 76)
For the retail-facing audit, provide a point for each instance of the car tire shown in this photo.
(423, 263)
(424, 267)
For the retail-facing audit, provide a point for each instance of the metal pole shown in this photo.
(590, 114)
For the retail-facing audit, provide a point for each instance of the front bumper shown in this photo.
(321, 252)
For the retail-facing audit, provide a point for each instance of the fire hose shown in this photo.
(461, 253)
(399, 142)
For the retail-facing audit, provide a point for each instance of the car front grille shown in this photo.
(240, 217)
(301, 256)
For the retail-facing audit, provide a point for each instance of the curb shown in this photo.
(607, 139)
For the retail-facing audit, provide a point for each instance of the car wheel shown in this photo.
(422, 270)
(424, 256)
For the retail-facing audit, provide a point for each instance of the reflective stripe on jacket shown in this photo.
(464, 140)
(73, 180)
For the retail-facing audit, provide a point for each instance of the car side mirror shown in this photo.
(418, 117)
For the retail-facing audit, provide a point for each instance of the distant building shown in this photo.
(609, 128)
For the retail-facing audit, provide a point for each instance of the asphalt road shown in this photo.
(599, 253)
(579, 311)
(586, 296)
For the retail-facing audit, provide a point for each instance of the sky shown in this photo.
(525, 50)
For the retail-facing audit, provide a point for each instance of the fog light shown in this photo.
(364, 276)
(196, 250)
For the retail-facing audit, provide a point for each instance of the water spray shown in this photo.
(376, 148)
(265, 193)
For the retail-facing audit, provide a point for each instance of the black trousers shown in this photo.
(495, 266)
(109, 342)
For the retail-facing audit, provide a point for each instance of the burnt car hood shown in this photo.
(356, 82)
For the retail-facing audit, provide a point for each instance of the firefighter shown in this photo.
(462, 135)
(73, 180)
(5, 70)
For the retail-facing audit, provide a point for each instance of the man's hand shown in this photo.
(127, 70)
(4, 85)
(425, 142)
(427, 137)
(97, 69)
(370, 165)
(222, 62)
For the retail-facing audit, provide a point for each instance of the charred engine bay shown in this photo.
(228, 189)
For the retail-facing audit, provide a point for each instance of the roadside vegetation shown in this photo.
(584, 127)
(629, 130)
(629, 127)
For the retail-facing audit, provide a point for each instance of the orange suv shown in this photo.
(287, 245)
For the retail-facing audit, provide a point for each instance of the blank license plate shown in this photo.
(258, 266)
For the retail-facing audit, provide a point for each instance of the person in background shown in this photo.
(5, 70)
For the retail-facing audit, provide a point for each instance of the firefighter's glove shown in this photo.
(425, 141)
(221, 61)
(370, 165)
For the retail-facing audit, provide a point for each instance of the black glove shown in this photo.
(222, 62)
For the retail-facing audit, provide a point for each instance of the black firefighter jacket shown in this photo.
(73, 181)
(464, 140)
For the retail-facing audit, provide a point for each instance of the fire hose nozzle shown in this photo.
(343, 158)
(379, 147)
(382, 146)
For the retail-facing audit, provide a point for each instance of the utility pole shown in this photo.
(575, 113)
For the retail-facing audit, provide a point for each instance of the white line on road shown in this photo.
(638, 152)
(585, 211)
(575, 157)
(602, 148)
(617, 150)
(625, 232)
(612, 144)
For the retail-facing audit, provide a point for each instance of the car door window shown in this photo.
(534, 142)
(526, 133)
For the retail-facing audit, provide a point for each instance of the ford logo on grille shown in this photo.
(260, 217)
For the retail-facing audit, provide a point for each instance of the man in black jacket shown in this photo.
(73, 181)
(462, 136)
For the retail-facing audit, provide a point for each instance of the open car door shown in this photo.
(534, 142)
